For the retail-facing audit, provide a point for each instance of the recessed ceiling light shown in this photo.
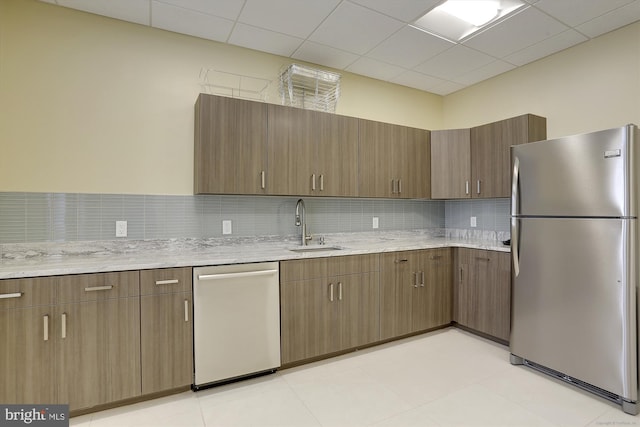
(456, 20)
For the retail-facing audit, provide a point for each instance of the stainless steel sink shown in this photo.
(316, 249)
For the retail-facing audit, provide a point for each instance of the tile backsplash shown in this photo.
(41, 217)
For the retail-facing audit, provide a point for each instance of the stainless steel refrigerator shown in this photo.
(574, 238)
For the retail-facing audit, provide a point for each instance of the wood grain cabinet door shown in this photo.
(376, 159)
(451, 164)
(230, 146)
(166, 329)
(494, 294)
(99, 330)
(432, 305)
(336, 166)
(358, 309)
(397, 286)
(416, 173)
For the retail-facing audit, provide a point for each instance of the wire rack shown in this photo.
(309, 88)
(216, 82)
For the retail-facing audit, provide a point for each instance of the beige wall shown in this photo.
(92, 104)
(594, 85)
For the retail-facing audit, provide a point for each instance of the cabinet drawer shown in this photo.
(165, 281)
(314, 268)
(99, 286)
(20, 293)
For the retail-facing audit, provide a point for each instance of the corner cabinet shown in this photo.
(230, 146)
(491, 154)
(394, 161)
(328, 305)
(482, 299)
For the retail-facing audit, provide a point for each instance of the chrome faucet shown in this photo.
(302, 221)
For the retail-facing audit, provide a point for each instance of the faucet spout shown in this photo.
(301, 221)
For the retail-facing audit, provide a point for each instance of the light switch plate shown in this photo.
(376, 222)
(226, 226)
(121, 228)
(474, 221)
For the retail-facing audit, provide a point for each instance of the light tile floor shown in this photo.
(445, 378)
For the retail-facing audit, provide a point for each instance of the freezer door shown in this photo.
(583, 175)
(574, 300)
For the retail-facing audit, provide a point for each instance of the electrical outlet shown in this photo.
(226, 226)
(474, 221)
(121, 228)
(376, 222)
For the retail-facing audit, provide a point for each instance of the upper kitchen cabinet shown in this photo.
(230, 147)
(451, 164)
(394, 161)
(311, 153)
(490, 153)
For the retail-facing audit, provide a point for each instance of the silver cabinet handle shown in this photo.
(393, 186)
(262, 180)
(399, 186)
(98, 288)
(13, 295)
(483, 258)
(340, 291)
(313, 182)
(63, 326)
(186, 310)
(435, 257)
(398, 261)
(466, 187)
(45, 320)
(460, 280)
(321, 182)
(415, 280)
(422, 279)
(478, 187)
(167, 282)
(236, 275)
(331, 292)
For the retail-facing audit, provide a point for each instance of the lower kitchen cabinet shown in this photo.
(328, 305)
(166, 329)
(415, 291)
(483, 291)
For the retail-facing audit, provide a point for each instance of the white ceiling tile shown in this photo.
(546, 47)
(454, 62)
(128, 10)
(485, 72)
(447, 88)
(576, 12)
(409, 47)
(324, 55)
(375, 69)
(229, 9)
(612, 20)
(355, 28)
(185, 21)
(516, 32)
(404, 10)
(264, 40)
(417, 80)
(296, 18)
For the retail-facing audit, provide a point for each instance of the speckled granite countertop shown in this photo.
(50, 259)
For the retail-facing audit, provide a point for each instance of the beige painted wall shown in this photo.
(592, 86)
(92, 104)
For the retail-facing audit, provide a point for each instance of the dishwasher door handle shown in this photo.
(220, 276)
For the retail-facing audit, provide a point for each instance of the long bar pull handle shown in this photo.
(515, 210)
(399, 186)
(262, 180)
(313, 182)
(13, 295)
(321, 182)
(483, 258)
(460, 280)
(186, 310)
(45, 320)
(422, 279)
(167, 282)
(398, 261)
(98, 288)
(340, 291)
(393, 186)
(478, 184)
(63, 326)
(236, 275)
(415, 280)
(331, 292)
(466, 187)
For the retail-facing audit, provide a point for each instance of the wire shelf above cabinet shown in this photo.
(310, 88)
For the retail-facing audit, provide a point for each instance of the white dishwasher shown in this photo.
(236, 322)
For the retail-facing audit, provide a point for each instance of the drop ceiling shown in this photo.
(373, 37)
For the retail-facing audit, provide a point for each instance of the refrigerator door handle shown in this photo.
(515, 225)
